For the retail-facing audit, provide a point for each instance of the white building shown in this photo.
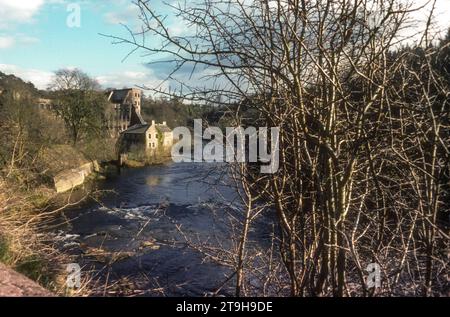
(150, 136)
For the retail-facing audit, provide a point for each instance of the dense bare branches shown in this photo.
(79, 105)
(364, 132)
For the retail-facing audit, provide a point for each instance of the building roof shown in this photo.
(118, 96)
(163, 128)
(142, 128)
(137, 129)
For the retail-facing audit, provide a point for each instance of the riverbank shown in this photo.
(29, 202)
(139, 159)
(28, 244)
(24, 245)
(13, 284)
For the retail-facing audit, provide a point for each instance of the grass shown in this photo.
(4, 250)
(24, 247)
(31, 260)
(37, 269)
(34, 266)
(26, 211)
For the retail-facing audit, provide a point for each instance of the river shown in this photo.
(136, 235)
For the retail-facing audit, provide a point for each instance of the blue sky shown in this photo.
(35, 40)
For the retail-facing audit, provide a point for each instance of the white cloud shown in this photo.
(124, 16)
(135, 75)
(6, 42)
(418, 19)
(11, 41)
(14, 11)
(179, 27)
(129, 79)
(41, 79)
(24, 39)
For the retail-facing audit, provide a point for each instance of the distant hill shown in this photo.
(177, 113)
(14, 83)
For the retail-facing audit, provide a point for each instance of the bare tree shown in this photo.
(73, 79)
(79, 104)
(364, 131)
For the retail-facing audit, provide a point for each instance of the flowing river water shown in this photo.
(137, 232)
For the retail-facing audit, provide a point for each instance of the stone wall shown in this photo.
(67, 180)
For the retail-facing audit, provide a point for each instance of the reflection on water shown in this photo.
(153, 180)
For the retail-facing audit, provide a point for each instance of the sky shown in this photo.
(36, 40)
(37, 37)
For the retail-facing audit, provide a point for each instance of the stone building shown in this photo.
(44, 103)
(124, 110)
(148, 137)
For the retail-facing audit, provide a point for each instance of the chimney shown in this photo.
(153, 122)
